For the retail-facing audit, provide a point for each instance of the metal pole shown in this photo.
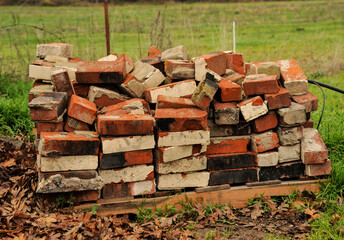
(107, 29)
(234, 36)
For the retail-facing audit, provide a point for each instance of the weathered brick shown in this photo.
(289, 153)
(123, 159)
(68, 144)
(314, 170)
(235, 61)
(70, 66)
(290, 136)
(262, 142)
(308, 100)
(73, 124)
(75, 197)
(231, 161)
(243, 128)
(267, 159)
(103, 97)
(260, 85)
(277, 100)
(126, 144)
(252, 108)
(292, 116)
(111, 57)
(178, 89)
(62, 82)
(132, 106)
(38, 90)
(233, 176)
(180, 69)
(269, 68)
(129, 64)
(172, 139)
(48, 127)
(215, 61)
(82, 109)
(55, 59)
(206, 90)
(176, 53)
(67, 163)
(134, 173)
(228, 91)
(132, 86)
(125, 125)
(291, 170)
(293, 78)
(313, 149)
(155, 61)
(169, 154)
(251, 69)
(181, 180)
(190, 164)
(226, 113)
(265, 122)
(268, 173)
(148, 75)
(124, 190)
(55, 49)
(40, 72)
(308, 124)
(223, 145)
(234, 77)
(154, 51)
(81, 90)
(174, 102)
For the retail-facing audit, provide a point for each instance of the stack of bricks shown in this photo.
(114, 129)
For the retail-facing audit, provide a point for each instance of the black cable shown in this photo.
(326, 86)
(322, 90)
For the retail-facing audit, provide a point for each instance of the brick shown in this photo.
(155, 61)
(265, 122)
(181, 180)
(154, 51)
(277, 100)
(56, 49)
(40, 72)
(228, 91)
(269, 68)
(82, 109)
(289, 153)
(293, 78)
(72, 144)
(38, 90)
(234, 77)
(70, 181)
(174, 102)
(41, 82)
(48, 127)
(308, 100)
(223, 145)
(111, 57)
(313, 149)
(251, 69)
(103, 97)
(262, 142)
(206, 90)
(172, 139)
(267, 159)
(243, 128)
(62, 82)
(123, 159)
(182, 119)
(226, 113)
(315, 170)
(124, 190)
(291, 170)
(126, 144)
(169, 154)
(190, 164)
(81, 90)
(93, 72)
(73, 124)
(129, 64)
(253, 108)
(125, 125)
(215, 61)
(308, 124)
(49, 106)
(261, 85)
(134, 173)
(55, 59)
(290, 136)
(132, 86)
(176, 53)
(148, 75)
(235, 61)
(132, 106)
(67, 163)
(76, 197)
(227, 161)
(237, 176)
(71, 68)
(180, 69)
(178, 89)
(292, 116)
(268, 173)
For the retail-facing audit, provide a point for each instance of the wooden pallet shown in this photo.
(236, 196)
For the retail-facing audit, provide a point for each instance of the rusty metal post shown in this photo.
(107, 28)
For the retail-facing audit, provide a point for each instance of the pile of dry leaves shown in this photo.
(26, 215)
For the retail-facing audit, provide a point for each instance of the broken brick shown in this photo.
(262, 142)
(226, 113)
(215, 61)
(265, 122)
(277, 100)
(180, 69)
(82, 109)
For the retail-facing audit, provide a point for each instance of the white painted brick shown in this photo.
(190, 164)
(267, 159)
(128, 174)
(126, 144)
(170, 154)
(56, 49)
(67, 163)
(180, 181)
(289, 153)
(171, 139)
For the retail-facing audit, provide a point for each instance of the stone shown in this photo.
(181, 180)
(82, 109)
(38, 90)
(233, 176)
(125, 190)
(235, 61)
(232, 144)
(190, 164)
(269, 68)
(315, 170)
(134, 173)
(55, 49)
(172, 139)
(289, 153)
(261, 85)
(40, 72)
(313, 149)
(169, 154)
(174, 102)
(228, 91)
(103, 97)
(290, 136)
(243, 128)
(262, 142)
(215, 61)
(267, 159)
(308, 100)
(277, 100)
(226, 113)
(180, 69)
(252, 108)
(265, 122)
(292, 116)
(48, 127)
(67, 163)
(227, 161)
(176, 53)
(126, 144)
(73, 124)
(132, 86)
(124, 159)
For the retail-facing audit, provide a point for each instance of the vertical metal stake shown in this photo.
(234, 36)
(107, 29)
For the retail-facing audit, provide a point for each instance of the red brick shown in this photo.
(154, 52)
(81, 90)
(252, 108)
(313, 148)
(125, 125)
(123, 159)
(62, 82)
(75, 60)
(235, 78)
(174, 102)
(127, 106)
(82, 109)
(251, 69)
(263, 85)
(278, 100)
(224, 145)
(68, 144)
(129, 64)
(132, 86)
(103, 97)
(308, 100)
(216, 62)
(39, 82)
(125, 190)
(73, 124)
(235, 61)
(264, 123)
(48, 106)
(38, 90)
(318, 169)
(263, 142)
(180, 69)
(100, 72)
(182, 119)
(48, 127)
(308, 124)
(226, 113)
(229, 91)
